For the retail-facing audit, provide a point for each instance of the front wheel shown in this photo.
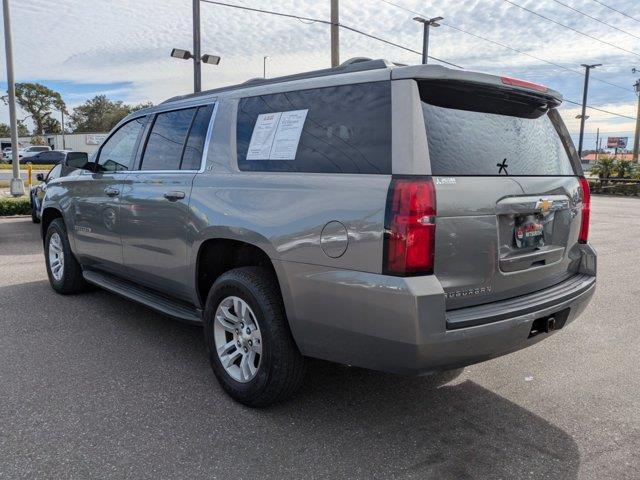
(63, 270)
(250, 346)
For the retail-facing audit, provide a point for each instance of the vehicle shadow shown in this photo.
(126, 387)
(406, 427)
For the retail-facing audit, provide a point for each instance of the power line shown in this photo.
(600, 110)
(327, 22)
(572, 29)
(594, 18)
(577, 72)
(618, 11)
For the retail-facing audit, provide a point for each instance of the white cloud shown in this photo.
(97, 41)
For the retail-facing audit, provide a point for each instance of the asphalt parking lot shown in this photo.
(93, 386)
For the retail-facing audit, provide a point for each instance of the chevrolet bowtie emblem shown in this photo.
(544, 205)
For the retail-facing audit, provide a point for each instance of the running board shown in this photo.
(178, 310)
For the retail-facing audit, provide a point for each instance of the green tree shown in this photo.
(100, 114)
(51, 125)
(624, 168)
(5, 130)
(23, 131)
(603, 167)
(38, 101)
(37, 140)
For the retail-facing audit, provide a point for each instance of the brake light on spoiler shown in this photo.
(516, 82)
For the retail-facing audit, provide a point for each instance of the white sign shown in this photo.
(276, 135)
(95, 138)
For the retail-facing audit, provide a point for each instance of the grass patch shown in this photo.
(23, 167)
(14, 206)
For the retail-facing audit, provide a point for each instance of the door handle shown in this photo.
(111, 192)
(173, 196)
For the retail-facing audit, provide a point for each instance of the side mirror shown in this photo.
(40, 177)
(78, 160)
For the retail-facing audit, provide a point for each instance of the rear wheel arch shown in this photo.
(219, 255)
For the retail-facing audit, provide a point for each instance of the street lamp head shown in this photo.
(433, 22)
(181, 54)
(210, 59)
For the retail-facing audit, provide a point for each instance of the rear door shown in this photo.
(155, 200)
(508, 194)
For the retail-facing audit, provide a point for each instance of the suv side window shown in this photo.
(192, 156)
(166, 141)
(118, 152)
(347, 129)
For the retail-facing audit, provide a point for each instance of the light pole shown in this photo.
(264, 66)
(587, 69)
(198, 59)
(17, 187)
(206, 58)
(636, 137)
(335, 33)
(432, 22)
(197, 70)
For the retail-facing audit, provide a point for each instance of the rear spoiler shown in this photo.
(438, 72)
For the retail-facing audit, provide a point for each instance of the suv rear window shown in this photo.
(476, 131)
(347, 129)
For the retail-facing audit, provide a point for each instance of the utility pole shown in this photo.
(636, 137)
(17, 187)
(584, 104)
(197, 70)
(264, 66)
(64, 146)
(597, 143)
(335, 33)
(432, 22)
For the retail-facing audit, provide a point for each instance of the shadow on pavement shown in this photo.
(108, 385)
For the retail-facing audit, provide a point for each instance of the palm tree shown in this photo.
(604, 167)
(623, 168)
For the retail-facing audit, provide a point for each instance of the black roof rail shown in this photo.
(357, 64)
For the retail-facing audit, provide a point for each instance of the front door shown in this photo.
(155, 201)
(96, 199)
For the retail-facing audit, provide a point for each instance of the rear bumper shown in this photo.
(400, 324)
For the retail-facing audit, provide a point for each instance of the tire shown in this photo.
(279, 368)
(34, 212)
(65, 276)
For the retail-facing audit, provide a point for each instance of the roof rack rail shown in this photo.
(357, 64)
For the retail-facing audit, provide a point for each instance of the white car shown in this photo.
(26, 152)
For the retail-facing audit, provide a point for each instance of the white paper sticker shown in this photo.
(276, 135)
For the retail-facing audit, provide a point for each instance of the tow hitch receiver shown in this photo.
(548, 324)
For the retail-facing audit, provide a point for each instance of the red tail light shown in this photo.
(410, 228)
(586, 211)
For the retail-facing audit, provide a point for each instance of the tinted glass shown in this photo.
(53, 156)
(192, 157)
(347, 129)
(118, 152)
(480, 131)
(166, 140)
(39, 149)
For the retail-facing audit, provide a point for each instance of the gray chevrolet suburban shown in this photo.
(408, 219)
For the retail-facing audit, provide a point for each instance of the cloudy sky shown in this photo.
(121, 48)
